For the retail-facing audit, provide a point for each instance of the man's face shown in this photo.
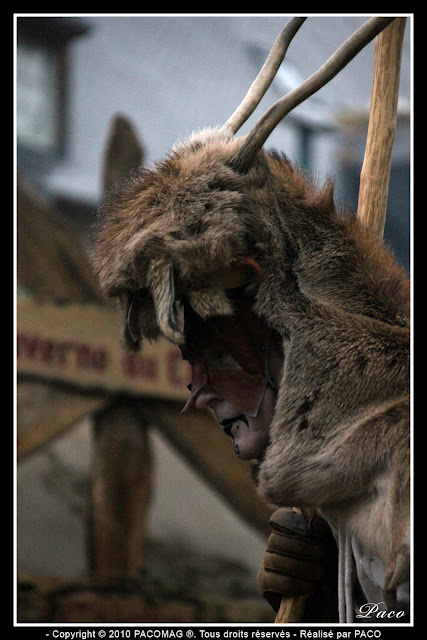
(235, 367)
(250, 434)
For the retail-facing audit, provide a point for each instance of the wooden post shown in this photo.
(122, 467)
(121, 489)
(374, 177)
(375, 174)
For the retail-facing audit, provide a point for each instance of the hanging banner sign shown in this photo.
(81, 344)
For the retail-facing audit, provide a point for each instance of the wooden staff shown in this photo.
(374, 178)
(375, 174)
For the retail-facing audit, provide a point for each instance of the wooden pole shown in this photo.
(375, 174)
(291, 610)
(374, 178)
(122, 465)
(121, 491)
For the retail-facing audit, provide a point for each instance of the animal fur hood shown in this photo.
(183, 222)
(187, 224)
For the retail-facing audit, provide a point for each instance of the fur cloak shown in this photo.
(340, 434)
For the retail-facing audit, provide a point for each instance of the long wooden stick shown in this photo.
(374, 178)
(375, 174)
(291, 610)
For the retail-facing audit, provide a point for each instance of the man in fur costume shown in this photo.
(295, 321)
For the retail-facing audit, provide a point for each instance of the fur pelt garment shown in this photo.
(333, 292)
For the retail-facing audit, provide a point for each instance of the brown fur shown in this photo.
(339, 439)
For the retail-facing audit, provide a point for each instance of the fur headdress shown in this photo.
(188, 227)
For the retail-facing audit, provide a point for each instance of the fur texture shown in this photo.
(340, 435)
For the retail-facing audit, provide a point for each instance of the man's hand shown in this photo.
(299, 557)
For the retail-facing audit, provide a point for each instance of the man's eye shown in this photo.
(224, 361)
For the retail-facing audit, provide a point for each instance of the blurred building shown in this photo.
(171, 75)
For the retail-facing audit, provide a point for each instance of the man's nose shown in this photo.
(206, 396)
(202, 395)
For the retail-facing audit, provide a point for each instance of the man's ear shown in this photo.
(240, 273)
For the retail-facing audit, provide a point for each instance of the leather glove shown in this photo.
(297, 558)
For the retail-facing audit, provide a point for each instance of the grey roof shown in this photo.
(173, 74)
